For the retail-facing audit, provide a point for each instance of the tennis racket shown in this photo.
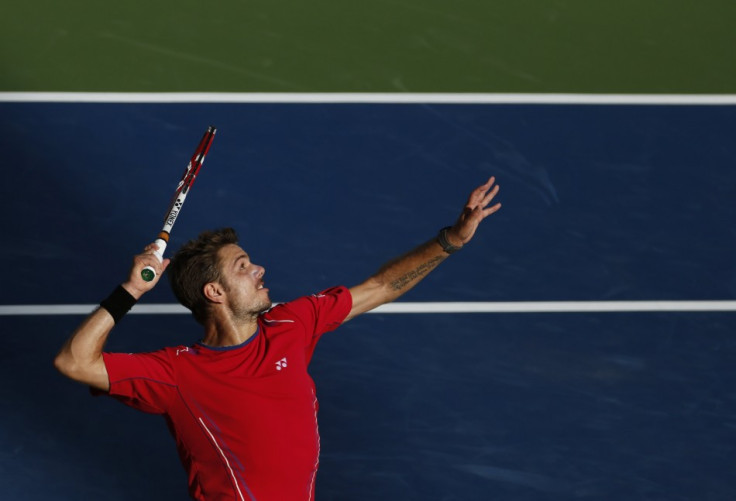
(177, 201)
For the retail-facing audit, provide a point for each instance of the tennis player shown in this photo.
(240, 403)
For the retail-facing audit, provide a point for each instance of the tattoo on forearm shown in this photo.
(415, 274)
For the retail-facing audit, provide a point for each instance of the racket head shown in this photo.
(187, 179)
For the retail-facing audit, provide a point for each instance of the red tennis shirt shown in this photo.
(244, 417)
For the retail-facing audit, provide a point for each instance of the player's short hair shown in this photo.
(195, 265)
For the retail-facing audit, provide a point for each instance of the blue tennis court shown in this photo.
(600, 203)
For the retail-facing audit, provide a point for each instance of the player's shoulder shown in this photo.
(331, 304)
(293, 307)
(282, 312)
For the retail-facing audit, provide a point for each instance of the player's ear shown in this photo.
(214, 292)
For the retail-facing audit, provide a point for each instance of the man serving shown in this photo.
(240, 403)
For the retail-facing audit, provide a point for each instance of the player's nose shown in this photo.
(260, 271)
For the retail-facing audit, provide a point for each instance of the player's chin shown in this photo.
(266, 304)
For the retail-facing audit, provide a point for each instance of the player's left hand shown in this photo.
(476, 210)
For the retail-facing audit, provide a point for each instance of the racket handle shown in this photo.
(148, 273)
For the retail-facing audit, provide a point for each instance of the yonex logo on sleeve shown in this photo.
(281, 364)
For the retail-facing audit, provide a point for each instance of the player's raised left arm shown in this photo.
(401, 274)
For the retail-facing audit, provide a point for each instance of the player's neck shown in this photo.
(221, 332)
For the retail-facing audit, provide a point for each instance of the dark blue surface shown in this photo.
(600, 202)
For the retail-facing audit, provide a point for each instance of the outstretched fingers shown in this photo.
(478, 195)
(482, 196)
(476, 210)
(490, 210)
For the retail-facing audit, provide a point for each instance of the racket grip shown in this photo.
(148, 273)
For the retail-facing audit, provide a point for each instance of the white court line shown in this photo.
(425, 307)
(384, 97)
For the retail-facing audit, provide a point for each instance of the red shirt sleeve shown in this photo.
(322, 312)
(144, 381)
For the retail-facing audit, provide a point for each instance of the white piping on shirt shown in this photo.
(227, 463)
(319, 446)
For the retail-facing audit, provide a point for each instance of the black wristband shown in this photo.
(118, 303)
(446, 245)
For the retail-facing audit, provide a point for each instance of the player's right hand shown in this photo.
(135, 285)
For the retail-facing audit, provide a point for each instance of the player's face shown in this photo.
(243, 283)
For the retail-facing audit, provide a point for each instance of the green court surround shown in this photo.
(531, 46)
